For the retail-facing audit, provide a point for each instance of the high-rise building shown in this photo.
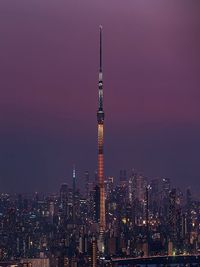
(139, 184)
(74, 194)
(97, 204)
(109, 187)
(87, 179)
(165, 196)
(89, 185)
(64, 191)
(155, 195)
(172, 214)
(100, 121)
(123, 178)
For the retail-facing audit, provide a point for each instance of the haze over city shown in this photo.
(48, 90)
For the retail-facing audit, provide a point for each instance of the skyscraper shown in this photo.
(87, 189)
(74, 192)
(123, 178)
(172, 214)
(100, 121)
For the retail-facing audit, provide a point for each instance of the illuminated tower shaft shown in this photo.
(100, 120)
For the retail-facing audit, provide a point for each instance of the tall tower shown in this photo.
(100, 121)
(74, 180)
(74, 193)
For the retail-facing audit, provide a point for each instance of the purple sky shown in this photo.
(48, 90)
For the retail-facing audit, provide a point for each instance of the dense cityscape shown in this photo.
(143, 217)
(96, 220)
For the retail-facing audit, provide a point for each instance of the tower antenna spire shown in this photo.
(100, 63)
(100, 108)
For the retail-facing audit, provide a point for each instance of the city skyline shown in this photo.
(48, 92)
(131, 196)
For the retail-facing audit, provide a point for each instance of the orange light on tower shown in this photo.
(100, 121)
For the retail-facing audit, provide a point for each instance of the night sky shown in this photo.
(49, 82)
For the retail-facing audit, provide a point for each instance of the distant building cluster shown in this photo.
(143, 217)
